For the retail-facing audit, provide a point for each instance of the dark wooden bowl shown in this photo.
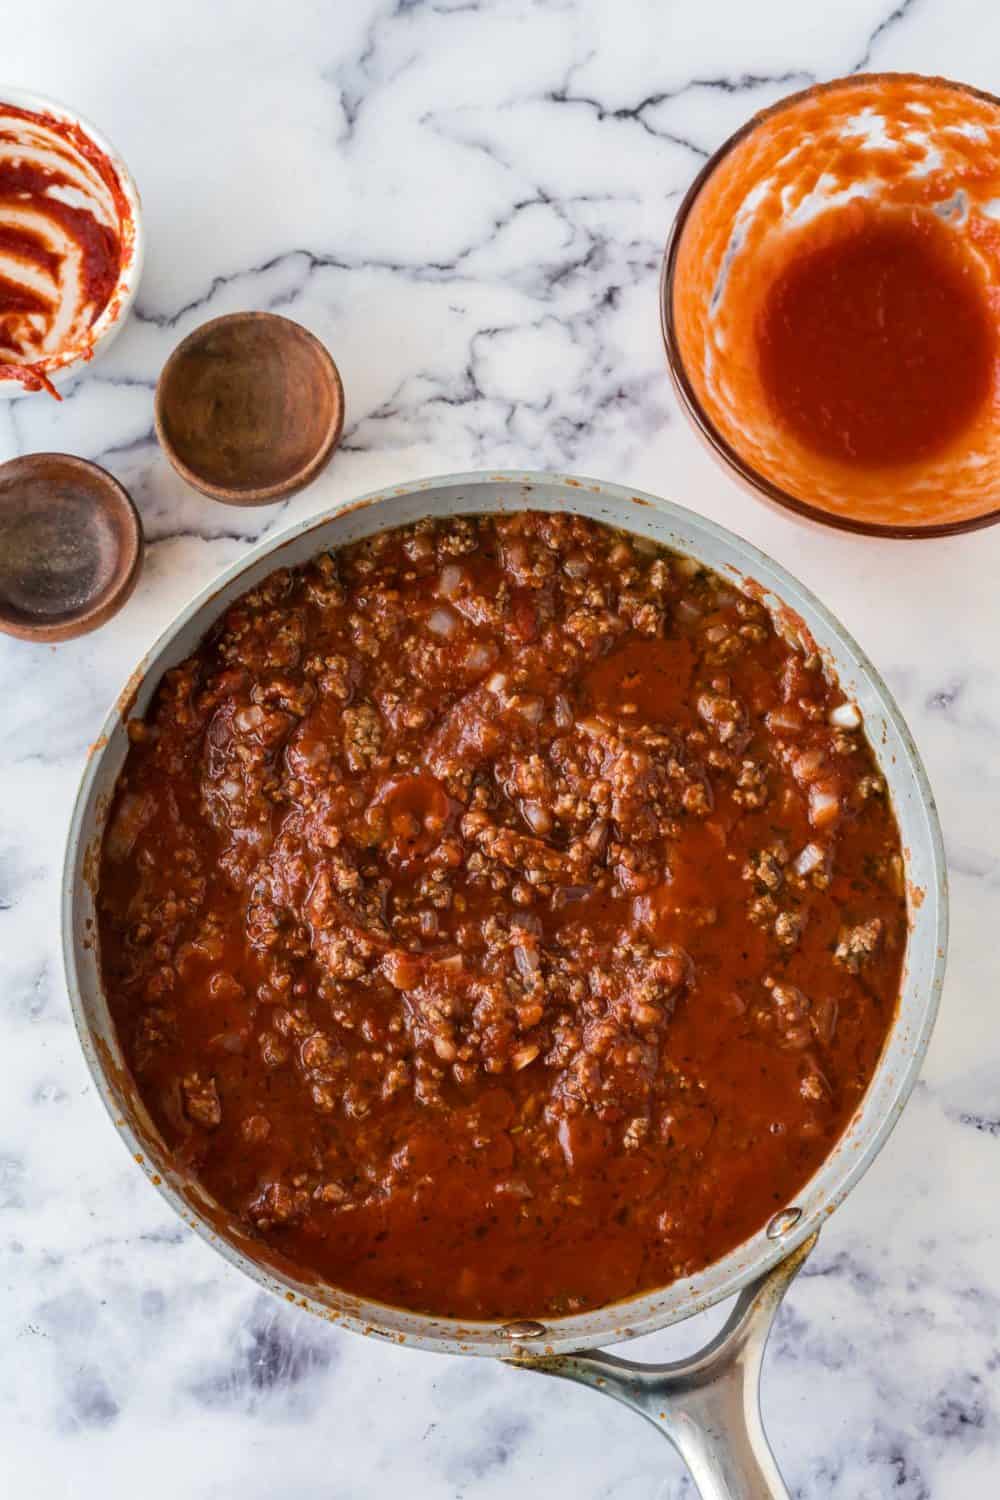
(249, 408)
(70, 546)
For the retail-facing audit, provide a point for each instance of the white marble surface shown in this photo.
(467, 201)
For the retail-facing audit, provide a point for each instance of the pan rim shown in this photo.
(754, 1257)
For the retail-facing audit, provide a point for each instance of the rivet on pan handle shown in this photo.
(708, 1406)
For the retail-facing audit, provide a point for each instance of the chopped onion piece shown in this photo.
(807, 766)
(593, 727)
(562, 713)
(245, 720)
(527, 961)
(846, 716)
(528, 707)
(824, 1018)
(565, 895)
(402, 970)
(442, 622)
(596, 836)
(537, 817)
(784, 720)
(810, 859)
(824, 806)
(515, 1186)
(444, 1047)
(451, 580)
(496, 684)
(479, 656)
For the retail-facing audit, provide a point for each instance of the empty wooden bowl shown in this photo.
(70, 546)
(249, 408)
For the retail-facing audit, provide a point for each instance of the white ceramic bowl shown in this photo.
(61, 367)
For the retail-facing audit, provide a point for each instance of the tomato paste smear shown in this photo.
(57, 251)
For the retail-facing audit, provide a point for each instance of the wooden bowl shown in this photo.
(70, 546)
(249, 408)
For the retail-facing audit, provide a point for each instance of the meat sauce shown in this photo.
(499, 916)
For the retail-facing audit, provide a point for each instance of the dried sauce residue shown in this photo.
(66, 233)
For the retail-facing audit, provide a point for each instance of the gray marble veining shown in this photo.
(467, 200)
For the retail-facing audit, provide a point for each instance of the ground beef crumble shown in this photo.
(495, 918)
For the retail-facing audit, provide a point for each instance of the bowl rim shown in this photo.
(752, 479)
(129, 276)
(675, 526)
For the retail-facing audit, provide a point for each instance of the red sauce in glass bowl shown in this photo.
(876, 340)
(832, 299)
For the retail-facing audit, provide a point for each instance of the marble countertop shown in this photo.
(467, 200)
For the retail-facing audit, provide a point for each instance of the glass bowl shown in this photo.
(899, 142)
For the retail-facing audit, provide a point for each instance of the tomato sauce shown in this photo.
(499, 916)
(876, 340)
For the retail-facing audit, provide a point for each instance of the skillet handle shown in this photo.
(708, 1406)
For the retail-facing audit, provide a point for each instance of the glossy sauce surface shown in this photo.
(876, 339)
(495, 919)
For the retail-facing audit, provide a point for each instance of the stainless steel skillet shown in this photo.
(708, 1405)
